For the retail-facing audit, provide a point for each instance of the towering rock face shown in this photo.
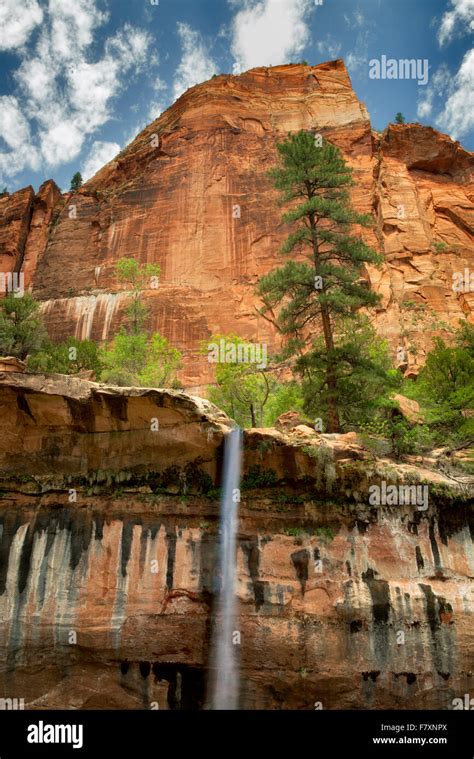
(15, 213)
(192, 194)
(108, 538)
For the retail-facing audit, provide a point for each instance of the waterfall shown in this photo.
(225, 684)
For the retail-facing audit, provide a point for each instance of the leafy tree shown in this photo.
(22, 330)
(399, 118)
(251, 395)
(409, 438)
(135, 357)
(69, 357)
(365, 376)
(464, 336)
(242, 389)
(76, 182)
(284, 396)
(446, 386)
(136, 276)
(324, 284)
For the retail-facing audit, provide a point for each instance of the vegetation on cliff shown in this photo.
(136, 357)
(343, 376)
(22, 331)
(317, 294)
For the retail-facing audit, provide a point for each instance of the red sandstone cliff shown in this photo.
(191, 193)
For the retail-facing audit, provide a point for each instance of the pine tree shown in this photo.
(76, 182)
(313, 294)
(399, 118)
(22, 331)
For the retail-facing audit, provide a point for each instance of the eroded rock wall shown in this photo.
(108, 565)
(191, 193)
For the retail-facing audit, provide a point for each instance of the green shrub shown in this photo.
(22, 331)
(258, 478)
(69, 357)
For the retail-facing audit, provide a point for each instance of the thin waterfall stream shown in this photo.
(224, 692)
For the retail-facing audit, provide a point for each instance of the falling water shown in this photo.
(225, 685)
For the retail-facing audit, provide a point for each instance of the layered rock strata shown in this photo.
(191, 193)
(109, 531)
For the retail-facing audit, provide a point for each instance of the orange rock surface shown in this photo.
(192, 194)
(106, 598)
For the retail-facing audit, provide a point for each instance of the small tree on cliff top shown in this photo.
(305, 296)
(76, 182)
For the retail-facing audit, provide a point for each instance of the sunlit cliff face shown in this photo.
(192, 193)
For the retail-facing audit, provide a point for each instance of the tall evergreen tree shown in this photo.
(323, 282)
(399, 118)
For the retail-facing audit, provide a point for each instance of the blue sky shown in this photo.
(79, 79)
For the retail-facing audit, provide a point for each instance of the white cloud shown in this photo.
(365, 31)
(329, 47)
(358, 58)
(66, 90)
(14, 127)
(458, 20)
(269, 32)
(355, 60)
(155, 109)
(133, 132)
(159, 84)
(128, 47)
(100, 154)
(440, 84)
(61, 143)
(91, 87)
(17, 21)
(356, 18)
(72, 26)
(15, 132)
(458, 114)
(196, 65)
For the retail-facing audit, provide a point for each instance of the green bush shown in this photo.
(139, 359)
(259, 478)
(22, 331)
(135, 357)
(69, 357)
(445, 388)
